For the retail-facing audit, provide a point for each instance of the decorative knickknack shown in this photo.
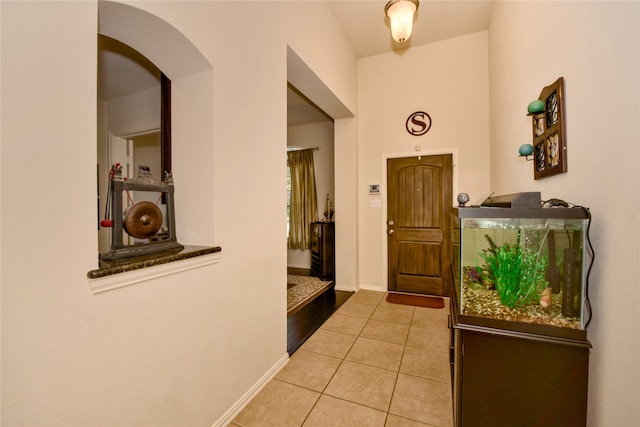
(328, 210)
(142, 220)
(549, 143)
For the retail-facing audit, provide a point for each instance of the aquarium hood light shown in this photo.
(530, 199)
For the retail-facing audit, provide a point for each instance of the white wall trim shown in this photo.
(120, 280)
(376, 288)
(383, 193)
(237, 407)
(139, 132)
(346, 288)
(300, 266)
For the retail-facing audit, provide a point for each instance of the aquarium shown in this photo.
(521, 265)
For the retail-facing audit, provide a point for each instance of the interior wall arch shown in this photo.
(192, 109)
(153, 37)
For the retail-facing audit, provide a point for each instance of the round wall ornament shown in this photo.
(418, 123)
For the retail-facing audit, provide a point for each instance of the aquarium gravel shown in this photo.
(486, 303)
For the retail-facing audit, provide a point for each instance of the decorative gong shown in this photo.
(142, 220)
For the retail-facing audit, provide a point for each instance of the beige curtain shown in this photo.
(304, 203)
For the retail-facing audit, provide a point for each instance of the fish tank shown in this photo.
(521, 268)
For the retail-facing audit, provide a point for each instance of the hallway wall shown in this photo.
(183, 349)
(595, 46)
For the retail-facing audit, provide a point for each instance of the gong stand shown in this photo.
(141, 220)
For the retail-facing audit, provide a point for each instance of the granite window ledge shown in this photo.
(117, 274)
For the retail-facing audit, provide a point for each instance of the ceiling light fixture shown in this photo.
(400, 12)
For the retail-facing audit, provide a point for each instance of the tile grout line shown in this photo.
(395, 383)
(414, 317)
(342, 360)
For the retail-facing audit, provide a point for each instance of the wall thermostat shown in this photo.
(374, 188)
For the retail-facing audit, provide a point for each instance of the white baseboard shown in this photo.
(343, 288)
(362, 286)
(251, 393)
(368, 287)
(300, 266)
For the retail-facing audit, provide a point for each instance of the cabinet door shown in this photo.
(513, 381)
(322, 250)
(316, 233)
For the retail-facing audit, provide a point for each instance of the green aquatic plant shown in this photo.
(518, 276)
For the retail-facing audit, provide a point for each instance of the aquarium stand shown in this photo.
(519, 310)
(503, 377)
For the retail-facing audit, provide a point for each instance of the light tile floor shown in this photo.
(370, 364)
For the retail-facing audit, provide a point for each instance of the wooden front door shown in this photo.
(419, 192)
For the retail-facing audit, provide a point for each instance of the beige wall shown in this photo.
(184, 349)
(346, 178)
(138, 112)
(595, 47)
(449, 81)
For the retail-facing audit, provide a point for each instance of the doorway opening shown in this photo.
(310, 128)
(311, 89)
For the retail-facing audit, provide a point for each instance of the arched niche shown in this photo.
(153, 37)
(191, 77)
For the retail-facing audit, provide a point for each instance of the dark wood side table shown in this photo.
(323, 250)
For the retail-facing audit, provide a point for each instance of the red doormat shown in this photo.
(417, 300)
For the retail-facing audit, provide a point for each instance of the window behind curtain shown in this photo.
(303, 206)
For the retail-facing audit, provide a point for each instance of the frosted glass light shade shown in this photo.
(400, 12)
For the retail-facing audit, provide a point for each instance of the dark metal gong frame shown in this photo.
(118, 249)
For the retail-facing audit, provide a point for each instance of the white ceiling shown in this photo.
(367, 27)
(363, 22)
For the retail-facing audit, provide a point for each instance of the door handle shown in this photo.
(390, 231)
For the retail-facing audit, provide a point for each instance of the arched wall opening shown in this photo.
(192, 108)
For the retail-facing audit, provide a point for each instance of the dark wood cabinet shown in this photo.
(508, 377)
(323, 250)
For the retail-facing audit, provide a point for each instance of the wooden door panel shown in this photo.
(415, 234)
(416, 198)
(419, 197)
(419, 259)
(420, 284)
